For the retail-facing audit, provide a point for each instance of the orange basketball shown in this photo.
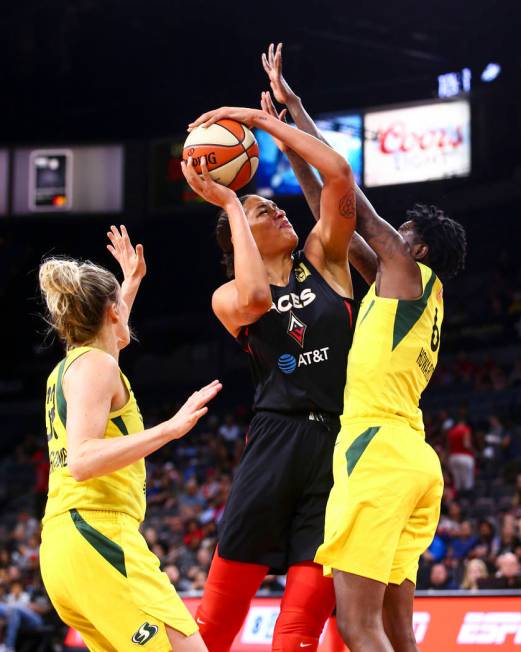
(232, 153)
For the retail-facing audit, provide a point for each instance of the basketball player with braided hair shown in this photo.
(96, 566)
(384, 506)
(293, 313)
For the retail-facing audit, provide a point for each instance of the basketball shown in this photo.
(232, 153)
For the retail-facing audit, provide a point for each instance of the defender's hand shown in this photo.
(272, 64)
(131, 261)
(190, 413)
(269, 108)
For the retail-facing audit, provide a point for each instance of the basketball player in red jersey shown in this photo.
(293, 312)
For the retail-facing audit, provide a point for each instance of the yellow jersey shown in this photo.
(394, 354)
(120, 491)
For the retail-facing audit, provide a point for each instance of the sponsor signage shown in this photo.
(441, 624)
(417, 143)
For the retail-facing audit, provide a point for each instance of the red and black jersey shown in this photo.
(298, 350)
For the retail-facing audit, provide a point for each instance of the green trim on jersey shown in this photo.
(120, 425)
(409, 312)
(61, 403)
(107, 549)
(357, 448)
(371, 305)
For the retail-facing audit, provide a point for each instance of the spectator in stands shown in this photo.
(487, 544)
(461, 454)
(496, 440)
(475, 569)
(461, 545)
(20, 610)
(450, 522)
(230, 432)
(516, 500)
(508, 575)
(439, 579)
(509, 540)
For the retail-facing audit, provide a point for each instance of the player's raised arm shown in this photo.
(247, 297)
(361, 256)
(337, 199)
(131, 261)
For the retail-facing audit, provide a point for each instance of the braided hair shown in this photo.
(446, 239)
(223, 235)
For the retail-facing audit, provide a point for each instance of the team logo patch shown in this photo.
(145, 633)
(287, 363)
(296, 329)
(301, 273)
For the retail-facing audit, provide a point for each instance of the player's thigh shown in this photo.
(421, 525)
(182, 643)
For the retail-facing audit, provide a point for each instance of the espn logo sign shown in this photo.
(490, 628)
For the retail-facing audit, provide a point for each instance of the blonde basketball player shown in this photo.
(99, 573)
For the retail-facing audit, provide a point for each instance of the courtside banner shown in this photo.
(441, 624)
(418, 143)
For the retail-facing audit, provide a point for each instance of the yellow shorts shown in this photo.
(384, 507)
(104, 581)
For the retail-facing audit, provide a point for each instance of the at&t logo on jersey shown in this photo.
(288, 301)
(287, 363)
(145, 633)
(492, 628)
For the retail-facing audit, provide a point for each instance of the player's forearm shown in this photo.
(383, 239)
(314, 151)
(129, 290)
(363, 258)
(302, 118)
(95, 457)
(251, 278)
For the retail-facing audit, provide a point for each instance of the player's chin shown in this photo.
(124, 340)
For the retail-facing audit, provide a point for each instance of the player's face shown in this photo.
(269, 225)
(416, 246)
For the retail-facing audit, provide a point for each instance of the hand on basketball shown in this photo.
(272, 64)
(132, 261)
(241, 114)
(269, 108)
(190, 413)
(205, 186)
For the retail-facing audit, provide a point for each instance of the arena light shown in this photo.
(491, 72)
(451, 84)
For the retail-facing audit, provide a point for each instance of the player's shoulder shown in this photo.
(95, 367)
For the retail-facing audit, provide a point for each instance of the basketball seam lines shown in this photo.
(245, 151)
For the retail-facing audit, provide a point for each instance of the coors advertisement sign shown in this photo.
(417, 143)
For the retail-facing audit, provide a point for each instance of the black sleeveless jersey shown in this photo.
(298, 350)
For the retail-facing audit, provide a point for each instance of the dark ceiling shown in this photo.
(131, 68)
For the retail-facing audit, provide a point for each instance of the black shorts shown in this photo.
(275, 512)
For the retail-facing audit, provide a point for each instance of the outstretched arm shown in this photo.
(361, 256)
(132, 262)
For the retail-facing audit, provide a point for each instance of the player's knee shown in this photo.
(300, 620)
(402, 637)
(356, 627)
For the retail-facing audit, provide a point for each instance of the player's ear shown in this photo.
(420, 251)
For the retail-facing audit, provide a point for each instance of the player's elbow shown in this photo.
(79, 471)
(342, 171)
(257, 302)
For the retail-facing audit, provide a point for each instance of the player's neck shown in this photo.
(278, 268)
(106, 341)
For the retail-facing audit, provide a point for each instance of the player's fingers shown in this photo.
(190, 175)
(204, 169)
(203, 119)
(200, 413)
(111, 237)
(112, 250)
(271, 50)
(212, 384)
(283, 114)
(140, 251)
(265, 63)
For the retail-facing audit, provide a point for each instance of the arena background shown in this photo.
(125, 79)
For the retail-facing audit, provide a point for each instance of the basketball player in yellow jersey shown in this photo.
(384, 507)
(99, 573)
